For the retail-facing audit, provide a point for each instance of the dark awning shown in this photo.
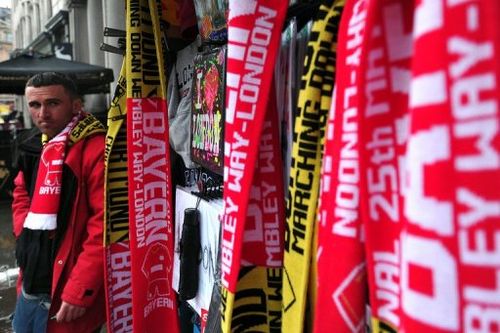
(90, 79)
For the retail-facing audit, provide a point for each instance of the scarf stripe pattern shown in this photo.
(154, 305)
(307, 149)
(260, 283)
(428, 165)
(450, 262)
(341, 264)
(46, 196)
(384, 121)
(116, 214)
(254, 29)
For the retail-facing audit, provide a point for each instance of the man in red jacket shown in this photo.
(58, 212)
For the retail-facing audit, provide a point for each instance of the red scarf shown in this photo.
(154, 305)
(429, 167)
(430, 219)
(254, 32)
(265, 222)
(341, 266)
(254, 35)
(47, 193)
(385, 118)
(450, 245)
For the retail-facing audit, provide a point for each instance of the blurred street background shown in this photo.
(39, 35)
(8, 270)
(7, 261)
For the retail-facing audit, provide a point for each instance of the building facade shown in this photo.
(7, 102)
(72, 30)
(5, 34)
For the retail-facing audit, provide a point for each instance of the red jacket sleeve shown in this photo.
(87, 276)
(20, 204)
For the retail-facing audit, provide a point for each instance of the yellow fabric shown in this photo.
(115, 163)
(85, 127)
(159, 41)
(379, 326)
(148, 80)
(313, 279)
(227, 306)
(256, 306)
(143, 76)
(309, 134)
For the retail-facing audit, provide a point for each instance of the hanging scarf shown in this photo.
(309, 133)
(385, 86)
(118, 279)
(154, 305)
(450, 261)
(254, 29)
(257, 304)
(341, 266)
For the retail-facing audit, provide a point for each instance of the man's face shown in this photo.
(51, 108)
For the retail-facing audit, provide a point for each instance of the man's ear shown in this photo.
(77, 105)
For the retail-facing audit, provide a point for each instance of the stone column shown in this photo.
(114, 17)
(47, 5)
(78, 29)
(27, 37)
(37, 26)
(95, 103)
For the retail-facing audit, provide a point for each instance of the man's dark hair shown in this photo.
(54, 78)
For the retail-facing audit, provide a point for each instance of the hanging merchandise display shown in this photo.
(150, 192)
(209, 215)
(341, 267)
(384, 133)
(254, 32)
(260, 280)
(385, 113)
(313, 104)
(180, 100)
(212, 23)
(449, 246)
(179, 18)
(207, 123)
(425, 131)
(118, 279)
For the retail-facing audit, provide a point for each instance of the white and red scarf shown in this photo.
(47, 193)
(341, 293)
(450, 262)
(248, 50)
(428, 140)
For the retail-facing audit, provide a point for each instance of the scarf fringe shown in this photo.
(37, 221)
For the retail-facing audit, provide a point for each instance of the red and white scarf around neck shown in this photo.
(46, 195)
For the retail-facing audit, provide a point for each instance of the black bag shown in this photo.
(190, 245)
